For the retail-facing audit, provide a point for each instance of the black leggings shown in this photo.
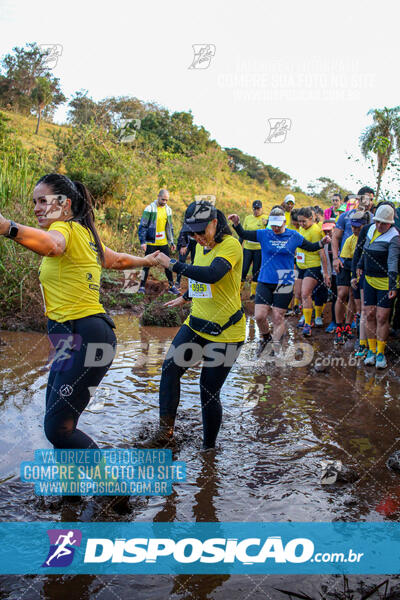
(212, 378)
(251, 256)
(79, 344)
(150, 250)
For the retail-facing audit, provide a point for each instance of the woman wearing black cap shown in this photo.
(252, 250)
(215, 330)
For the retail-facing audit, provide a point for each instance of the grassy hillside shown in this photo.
(123, 180)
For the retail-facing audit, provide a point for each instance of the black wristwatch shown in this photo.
(171, 263)
(13, 231)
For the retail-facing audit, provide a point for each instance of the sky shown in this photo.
(318, 66)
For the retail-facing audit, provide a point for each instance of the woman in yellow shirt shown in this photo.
(309, 268)
(78, 326)
(215, 330)
(252, 250)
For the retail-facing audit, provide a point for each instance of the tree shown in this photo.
(381, 138)
(18, 77)
(42, 96)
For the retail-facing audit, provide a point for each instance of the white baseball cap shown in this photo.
(384, 214)
(290, 198)
(277, 220)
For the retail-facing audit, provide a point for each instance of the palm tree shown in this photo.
(381, 137)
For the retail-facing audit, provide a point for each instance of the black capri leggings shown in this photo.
(84, 351)
(251, 256)
(218, 360)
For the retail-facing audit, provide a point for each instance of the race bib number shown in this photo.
(199, 290)
(300, 257)
(160, 235)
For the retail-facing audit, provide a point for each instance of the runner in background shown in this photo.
(252, 250)
(276, 279)
(287, 206)
(156, 233)
(343, 317)
(327, 227)
(379, 262)
(340, 234)
(309, 266)
(332, 211)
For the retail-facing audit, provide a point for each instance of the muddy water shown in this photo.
(279, 423)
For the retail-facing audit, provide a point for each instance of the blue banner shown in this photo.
(161, 548)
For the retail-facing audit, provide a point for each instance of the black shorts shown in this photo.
(274, 294)
(343, 277)
(314, 272)
(374, 297)
(360, 286)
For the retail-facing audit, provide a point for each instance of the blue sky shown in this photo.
(321, 65)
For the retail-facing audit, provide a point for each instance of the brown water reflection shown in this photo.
(278, 424)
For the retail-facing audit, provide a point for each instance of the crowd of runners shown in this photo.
(301, 260)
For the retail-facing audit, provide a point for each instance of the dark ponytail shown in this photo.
(81, 203)
(306, 212)
(222, 227)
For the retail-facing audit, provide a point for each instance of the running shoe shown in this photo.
(307, 330)
(297, 310)
(141, 290)
(319, 322)
(301, 322)
(347, 332)
(331, 327)
(370, 359)
(339, 335)
(174, 290)
(380, 362)
(261, 345)
(361, 352)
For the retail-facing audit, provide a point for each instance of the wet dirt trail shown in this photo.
(279, 422)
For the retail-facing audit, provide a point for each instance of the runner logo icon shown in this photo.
(62, 547)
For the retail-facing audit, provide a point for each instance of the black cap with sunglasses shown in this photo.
(257, 204)
(198, 215)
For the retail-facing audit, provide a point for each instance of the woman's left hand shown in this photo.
(4, 225)
(327, 280)
(325, 240)
(163, 260)
(392, 294)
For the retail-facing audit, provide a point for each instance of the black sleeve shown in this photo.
(244, 234)
(358, 251)
(218, 268)
(310, 246)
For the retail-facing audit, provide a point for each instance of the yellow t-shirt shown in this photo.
(379, 283)
(288, 216)
(304, 259)
(251, 223)
(349, 246)
(161, 236)
(225, 300)
(71, 282)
